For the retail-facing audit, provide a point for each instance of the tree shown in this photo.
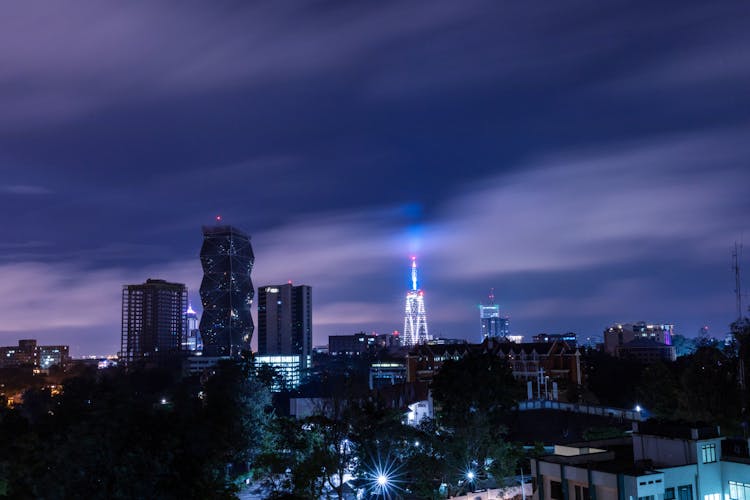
(477, 384)
(683, 345)
(472, 396)
(138, 434)
(237, 408)
(605, 375)
(708, 386)
(659, 389)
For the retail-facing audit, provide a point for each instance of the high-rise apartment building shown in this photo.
(492, 324)
(285, 321)
(152, 321)
(226, 326)
(415, 317)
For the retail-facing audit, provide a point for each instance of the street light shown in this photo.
(384, 477)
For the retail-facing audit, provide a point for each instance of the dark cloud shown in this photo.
(587, 160)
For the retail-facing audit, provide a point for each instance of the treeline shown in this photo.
(702, 386)
(145, 434)
(153, 434)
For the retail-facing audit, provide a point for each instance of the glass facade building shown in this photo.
(492, 324)
(226, 325)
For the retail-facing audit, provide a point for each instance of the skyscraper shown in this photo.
(152, 320)
(191, 341)
(285, 321)
(493, 325)
(226, 326)
(415, 319)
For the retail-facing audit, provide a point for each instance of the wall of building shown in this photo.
(663, 450)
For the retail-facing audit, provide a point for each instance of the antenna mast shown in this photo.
(736, 256)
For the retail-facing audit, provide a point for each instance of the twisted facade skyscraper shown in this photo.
(227, 292)
(415, 319)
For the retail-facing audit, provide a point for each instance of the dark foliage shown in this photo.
(144, 434)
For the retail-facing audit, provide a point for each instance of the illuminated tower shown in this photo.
(192, 340)
(226, 326)
(415, 319)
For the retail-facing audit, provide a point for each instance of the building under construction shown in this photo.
(153, 323)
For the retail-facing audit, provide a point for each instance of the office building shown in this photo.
(287, 367)
(415, 318)
(620, 334)
(285, 322)
(492, 324)
(226, 325)
(152, 321)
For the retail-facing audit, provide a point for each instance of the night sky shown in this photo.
(588, 160)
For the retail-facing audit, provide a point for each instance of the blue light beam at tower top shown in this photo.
(414, 273)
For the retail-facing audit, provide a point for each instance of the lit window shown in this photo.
(708, 453)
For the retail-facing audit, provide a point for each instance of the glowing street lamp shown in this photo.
(384, 478)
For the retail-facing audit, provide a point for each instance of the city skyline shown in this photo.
(589, 162)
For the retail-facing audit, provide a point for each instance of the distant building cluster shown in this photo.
(28, 354)
(160, 326)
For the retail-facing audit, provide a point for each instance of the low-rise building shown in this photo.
(646, 351)
(387, 372)
(359, 343)
(547, 338)
(660, 461)
(557, 360)
(39, 357)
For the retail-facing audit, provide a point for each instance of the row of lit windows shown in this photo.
(739, 491)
